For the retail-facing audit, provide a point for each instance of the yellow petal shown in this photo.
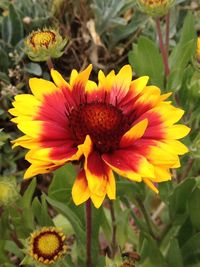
(123, 80)
(106, 82)
(82, 77)
(73, 76)
(151, 185)
(41, 87)
(136, 132)
(138, 85)
(25, 141)
(177, 131)
(97, 200)
(83, 149)
(176, 147)
(31, 128)
(159, 156)
(165, 96)
(90, 86)
(111, 186)
(162, 174)
(80, 191)
(58, 79)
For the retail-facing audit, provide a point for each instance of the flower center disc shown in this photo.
(42, 38)
(47, 245)
(104, 123)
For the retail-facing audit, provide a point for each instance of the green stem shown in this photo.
(146, 217)
(89, 232)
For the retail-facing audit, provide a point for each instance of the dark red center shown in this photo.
(104, 123)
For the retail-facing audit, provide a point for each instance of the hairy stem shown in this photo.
(50, 64)
(114, 230)
(146, 217)
(162, 47)
(167, 19)
(89, 232)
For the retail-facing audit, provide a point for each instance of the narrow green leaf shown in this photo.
(74, 220)
(28, 195)
(182, 52)
(16, 25)
(194, 208)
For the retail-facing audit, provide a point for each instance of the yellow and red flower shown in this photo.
(116, 125)
(47, 245)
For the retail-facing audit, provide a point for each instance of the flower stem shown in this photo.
(167, 19)
(146, 217)
(50, 64)
(162, 47)
(89, 232)
(114, 230)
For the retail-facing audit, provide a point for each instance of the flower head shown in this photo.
(155, 8)
(44, 44)
(8, 191)
(47, 245)
(118, 125)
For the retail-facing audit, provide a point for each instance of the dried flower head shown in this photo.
(44, 44)
(47, 245)
(155, 8)
(8, 191)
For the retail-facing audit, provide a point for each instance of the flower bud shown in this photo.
(44, 44)
(155, 8)
(8, 191)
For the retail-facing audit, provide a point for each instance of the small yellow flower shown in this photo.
(47, 245)
(155, 8)
(8, 191)
(44, 44)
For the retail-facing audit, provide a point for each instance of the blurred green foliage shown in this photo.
(164, 230)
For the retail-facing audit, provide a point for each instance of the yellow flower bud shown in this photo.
(155, 8)
(44, 44)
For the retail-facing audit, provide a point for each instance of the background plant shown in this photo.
(164, 229)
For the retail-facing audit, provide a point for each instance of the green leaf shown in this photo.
(151, 252)
(33, 68)
(146, 60)
(194, 208)
(40, 211)
(174, 256)
(28, 195)
(61, 185)
(4, 64)
(191, 251)
(74, 220)
(12, 27)
(178, 200)
(183, 52)
(11, 247)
